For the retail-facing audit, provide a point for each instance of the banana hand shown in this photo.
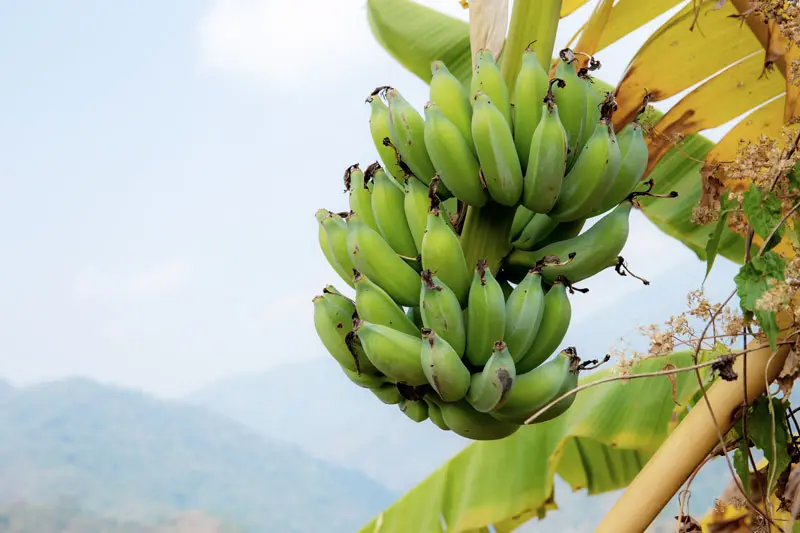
(379, 129)
(595, 250)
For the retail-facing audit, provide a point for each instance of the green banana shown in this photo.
(336, 231)
(365, 381)
(376, 306)
(441, 311)
(595, 250)
(392, 352)
(535, 389)
(541, 184)
(634, 158)
(522, 216)
(330, 292)
(562, 232)
(589, 179)
(537, 229)
(373, 256)
(388, 199)
(529, 92)
(379, 129)
(407, 133)
(442, 253)
(415, 205)
(446, 373)
(449, 94)
(490, 389)
(553, 328)
(415, 315)
(497, 153)
(388, 394)
(360, 195)
(486, 314)
(594, 101)
(416, 410)
(465, 421)
(487, 78)
(324, 244)
(524, 311)
(571, 100)
(332, 324)
(435, 416)
(452, 157)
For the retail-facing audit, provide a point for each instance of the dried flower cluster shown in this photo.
(683, 331)
(784, 13)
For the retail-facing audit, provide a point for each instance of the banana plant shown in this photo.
(737, 67)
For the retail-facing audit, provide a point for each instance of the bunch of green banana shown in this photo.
(462, 242)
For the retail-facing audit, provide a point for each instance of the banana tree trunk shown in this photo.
(694, 438)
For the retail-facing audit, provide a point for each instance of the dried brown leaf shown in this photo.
(792, 494)
(488, 22)
(687, 524)
(789, 373)
(673, 382)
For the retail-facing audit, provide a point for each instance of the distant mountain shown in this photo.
(314, 406)
(127, 455)
(67, 517)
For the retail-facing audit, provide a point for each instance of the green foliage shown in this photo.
(763, 427)
(712, 247)
(398, 26)
(752, 282)
(763, 211)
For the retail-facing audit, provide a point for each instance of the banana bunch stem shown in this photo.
(486, 234)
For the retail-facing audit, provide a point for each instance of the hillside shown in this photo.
(122, 453)
(314, 406)
(66, 517)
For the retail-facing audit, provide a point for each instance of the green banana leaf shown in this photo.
(416, 35)
(507, 482)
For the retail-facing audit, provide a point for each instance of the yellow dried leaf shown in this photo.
(593, 30)
(570, 6)
(724, 97)
(629, 15)
(675, 57)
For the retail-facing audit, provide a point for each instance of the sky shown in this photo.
(161, 165)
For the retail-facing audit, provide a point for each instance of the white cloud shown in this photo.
(155, 280)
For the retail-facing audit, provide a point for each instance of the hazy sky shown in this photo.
(161, 166)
